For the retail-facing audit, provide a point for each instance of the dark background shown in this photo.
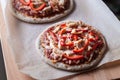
(2, 67)
(114, 5)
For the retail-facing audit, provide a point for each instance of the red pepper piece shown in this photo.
(25, 3)
(62, 43)
(68, 31)
(53, 36)
(85, 30)
(75, 37)
(81, 49)
(63, 37)
(91, 33)
(69, 44)
(63, 25)
(75, 57)
(93, 39)
(39, 8)
(78, 50)
(93, 48)
(86, 43)
(61, 31)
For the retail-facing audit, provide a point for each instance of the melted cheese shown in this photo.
(73, 31)
(56, 29)
(89, 48)
(68, 52)
(51, 42)
(47, 8)
(71, 24)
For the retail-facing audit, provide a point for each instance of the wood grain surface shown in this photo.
(106, 72)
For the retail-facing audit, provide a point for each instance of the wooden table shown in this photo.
(105, 72)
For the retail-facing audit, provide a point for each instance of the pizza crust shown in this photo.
(60, 65)
(40, 20)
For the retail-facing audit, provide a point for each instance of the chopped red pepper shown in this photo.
(75, 37)
(69, 44)
(62, 43)
(93, 48)
(53, 36)
(81, 49)
(96, 38)
(75, 57)
(84, 30)
(39, 8)
(63, 25)
(25, 3)
(61, 31)
(86, 43)
(68, 31)
(91, 39)
(64, 37)
(78, 50)
(93, 34)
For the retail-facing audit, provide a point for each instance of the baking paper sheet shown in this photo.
(21, 37)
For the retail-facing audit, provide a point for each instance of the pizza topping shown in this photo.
(41, 8)
(78, 50)
(89, 48)
(63, 25)
(72, 48)
(75, 57)
(24, 2)
(94, 48)
(56, 4)
(54, 37)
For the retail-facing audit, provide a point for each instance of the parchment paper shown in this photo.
(21, 37)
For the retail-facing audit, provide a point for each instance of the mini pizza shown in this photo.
(71, 46)
(40, 11)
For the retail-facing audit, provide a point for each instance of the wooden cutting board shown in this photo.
(106, 72)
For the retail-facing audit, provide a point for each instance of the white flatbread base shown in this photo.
(29, 19)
